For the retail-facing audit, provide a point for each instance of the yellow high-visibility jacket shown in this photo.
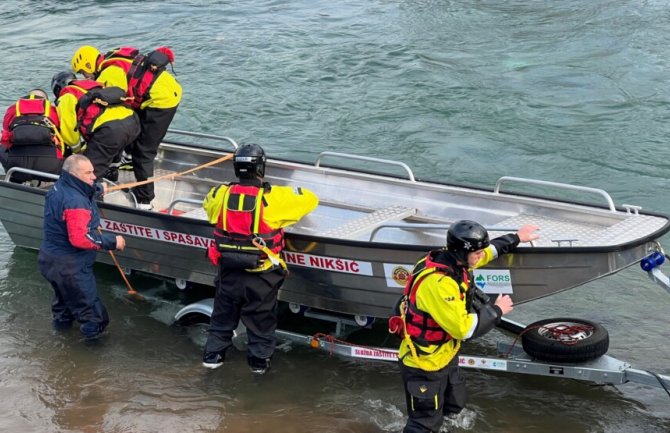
(440, 296)
(165, 93)
(284, 206)
(68, 118)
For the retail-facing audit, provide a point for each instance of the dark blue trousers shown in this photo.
(75, 293)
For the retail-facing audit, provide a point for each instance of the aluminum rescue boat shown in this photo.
(353, 254)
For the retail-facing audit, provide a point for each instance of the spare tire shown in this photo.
(565, 340)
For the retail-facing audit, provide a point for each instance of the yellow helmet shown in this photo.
(85, 60)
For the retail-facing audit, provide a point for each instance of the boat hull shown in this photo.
(350, 277)
(353, 254)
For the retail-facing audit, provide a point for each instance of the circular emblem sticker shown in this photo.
(400, 275)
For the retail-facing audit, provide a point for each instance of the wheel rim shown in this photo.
(566, 332)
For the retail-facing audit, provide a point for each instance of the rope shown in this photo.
(58, 139)
(169, 176)
(275, 259)
(131, 290)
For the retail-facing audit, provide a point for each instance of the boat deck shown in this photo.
(400, 223)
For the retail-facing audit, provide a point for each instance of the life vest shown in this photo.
(92, 100)
(241, 222)
(79, 87)
(31, 125)
(142, 75)
(420, 326)
(122, 57)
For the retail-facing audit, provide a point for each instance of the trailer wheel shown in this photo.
(364, 321)
(182, 284)
(565, 340)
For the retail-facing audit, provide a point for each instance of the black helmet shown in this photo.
(61, 80)
(464, 237)
(249, 161)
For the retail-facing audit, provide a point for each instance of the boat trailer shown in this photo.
(511, 357)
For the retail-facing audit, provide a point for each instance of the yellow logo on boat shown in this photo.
(400, 275)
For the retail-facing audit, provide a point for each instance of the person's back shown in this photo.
(249, 217)
(96, 116)
(75, 124)
(30, 136)
(153, 92)
(144, 77)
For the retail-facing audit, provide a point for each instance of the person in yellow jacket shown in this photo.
(249, 218)
(94, 121)
(442, 307)
(152, 91)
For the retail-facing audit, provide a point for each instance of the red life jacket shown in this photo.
(142, 71)
(241, 221)
(86, 115)
(31, 125)
(143, 74)
(421, 327)
(122, 57)
(79, 87)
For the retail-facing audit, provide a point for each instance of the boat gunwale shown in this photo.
(521, 198)
(460, 187)
(374, 244)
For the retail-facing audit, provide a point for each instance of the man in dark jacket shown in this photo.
(71, 242)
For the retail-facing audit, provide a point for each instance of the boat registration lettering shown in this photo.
(494, 280)
(156, 234)
(328, 263)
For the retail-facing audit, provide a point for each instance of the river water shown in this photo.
(568, 91)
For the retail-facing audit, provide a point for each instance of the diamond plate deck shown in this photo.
(367, 223)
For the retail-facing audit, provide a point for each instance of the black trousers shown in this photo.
(432, 395)
(43, 159)
(252, 298)
(109, 140)
(154, 125)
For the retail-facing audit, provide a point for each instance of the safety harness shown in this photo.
(417, 327)
(241, 235)
(92, 100)
(142, 71)
(142, 75)
(32, 125)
